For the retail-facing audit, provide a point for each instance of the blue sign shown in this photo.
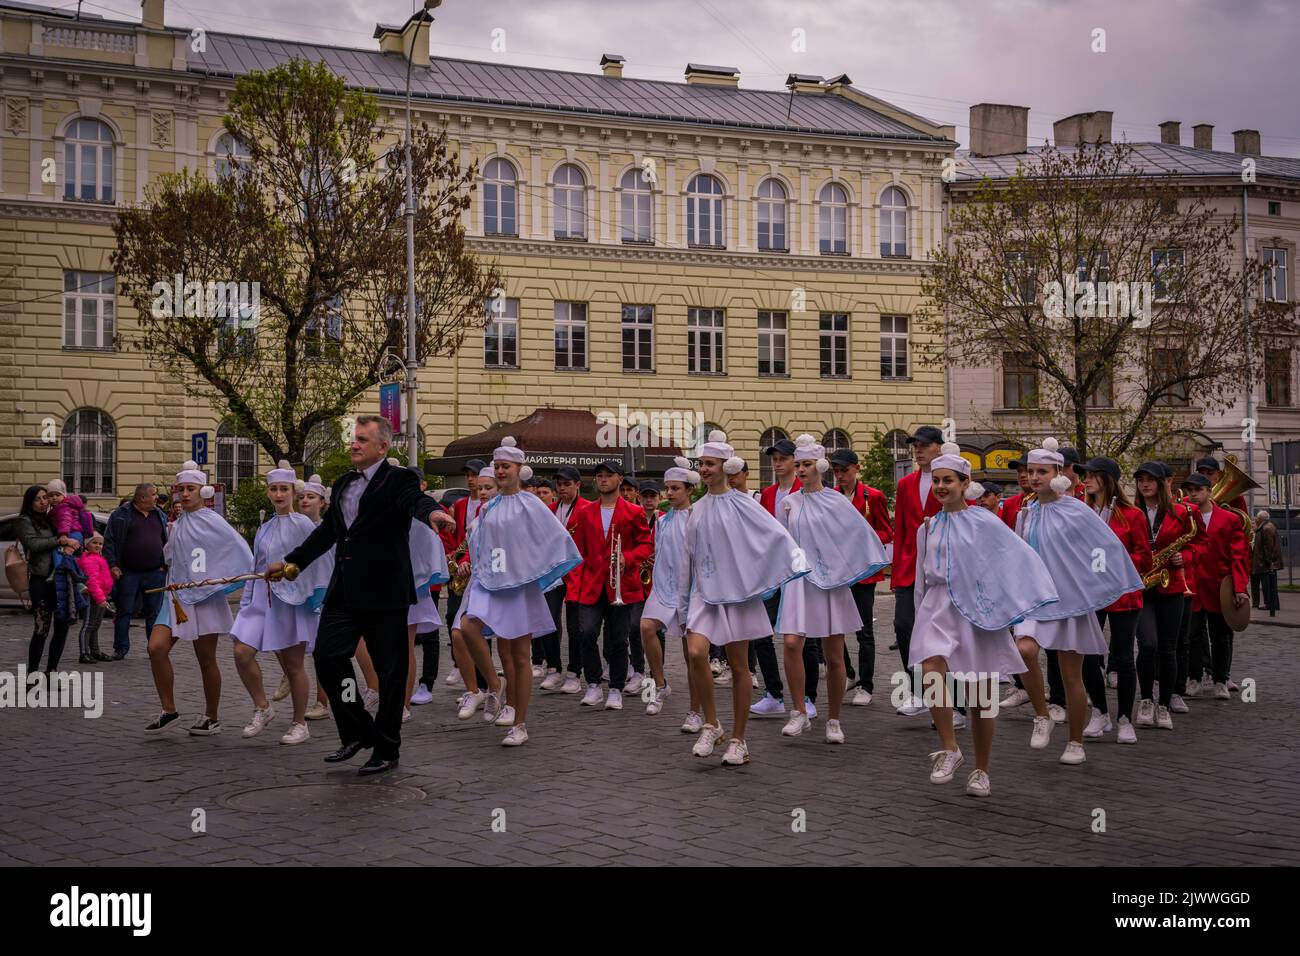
(199, 448)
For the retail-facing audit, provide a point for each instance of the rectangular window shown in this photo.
(1275, 209)
(637, 215)
(704, 342)
(1103, 396)
(1275, 282)
(1166, 274)
(1277, 378)
(893, 346)
(571, 336)
(324, 334)
(638, 338)
(236, 461)
(833, 344)
(1019, 381)
(89, 310)
(1019, 279)
(501, 334)
(772, 332)
(1166, 364)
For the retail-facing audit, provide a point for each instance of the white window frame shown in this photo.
(76, 147)
(86, 292)
(837, 339)
(637, 325)
(774, 337)
(317, 335)
(236, 458)
(499, 195)
(706, 327)
(1164, 261)
(571, 325)
(636, 209)
(891, 338)
(705, 212)
(893, 224)
(770, 216)
(570, 207)
(833, 220)
(770, 437)
(1275, 284)
(226, 147)
(494, 337)
(88, 450)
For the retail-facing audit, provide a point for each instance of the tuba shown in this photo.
(458, 582)
(1232, 485)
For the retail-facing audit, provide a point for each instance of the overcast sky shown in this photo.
(1231, 63)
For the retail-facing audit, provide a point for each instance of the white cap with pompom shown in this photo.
(525, 473)
(282, 473)
(1062, 484)
(190, 475)
(716, 446)
(681, 471)
(733, 465)
(207, 492)
(1049, 454)
(509, 451)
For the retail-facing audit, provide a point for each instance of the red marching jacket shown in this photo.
(908, 514)
(767, 497)
(1172, 527)
(1011, 508)
(592, 576)
(872, 503)
(571, 579)
(1130, 526)
(1218, 551)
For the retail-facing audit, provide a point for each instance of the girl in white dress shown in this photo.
(279, 616)
(1091, 570)
(484, 489)
(736, 555)
(313, 497)
(963, 614)
(517, 550)
(839, 551)
(661, 607)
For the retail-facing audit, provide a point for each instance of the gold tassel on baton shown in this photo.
(289, 573)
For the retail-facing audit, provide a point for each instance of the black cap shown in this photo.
(417, 471)
(567, 473)
(1153, 468)
(532, 482)
(1198, 481)
(543, 483)
(475, 465)
(927, 434)
(651, 485)
(612, 466)
(991, 488)
(1211, 463)
(1071, 457)
(844, 456)
(782, 446)
(1105, 466)
(628, 481)
(1017, 463)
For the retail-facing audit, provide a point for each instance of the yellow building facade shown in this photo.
(670, 248)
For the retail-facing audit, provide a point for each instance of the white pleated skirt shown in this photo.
(509, 613)
(210, 616)
(809, 611)
(424, 612)
(941, 631)
(277, 627)
(1080, 633)
(670, 617)
(727, 623)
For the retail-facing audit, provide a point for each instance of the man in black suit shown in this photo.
(370, 592)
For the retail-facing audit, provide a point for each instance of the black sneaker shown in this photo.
(205, 727)
(162, 723)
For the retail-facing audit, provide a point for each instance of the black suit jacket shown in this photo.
(372, 558)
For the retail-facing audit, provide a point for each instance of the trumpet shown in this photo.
(458, 581)
(615, 575)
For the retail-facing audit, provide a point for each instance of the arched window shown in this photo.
(835, 439)
(89, 452)
(771, 216)
(570, 203)
(893, 222)
(636, 212)
(769, 438)
(322, 440)
(232, 156)
(499, 199)
(236, 455)
(896, 442)
(833, 220)
(704, 211)
(88, 161)
(701, 436)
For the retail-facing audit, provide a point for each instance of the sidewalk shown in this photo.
(1288, 615)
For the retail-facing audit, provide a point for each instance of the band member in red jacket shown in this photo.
(872, 504)
(1220, 551)
(1101, 478)
(913, 502)
(1211, 469)
(1011, 507)
(611, 518)
(567, 506)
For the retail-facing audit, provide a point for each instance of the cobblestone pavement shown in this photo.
(593, 786)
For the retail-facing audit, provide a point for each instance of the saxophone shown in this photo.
(1159, 573)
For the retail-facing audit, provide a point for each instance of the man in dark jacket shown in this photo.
(133, 548)
(1265, 563)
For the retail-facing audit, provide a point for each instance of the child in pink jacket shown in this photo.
(99, 587)
(68, 512)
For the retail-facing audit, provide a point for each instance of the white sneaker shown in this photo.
(1073, 753)
(724, 677)
(492, 706)
(821, 670)
(422, 695)
(1015, 698)
(369, 699)
(1127, 735)
(1112, 679)
(1164, 719)
(406, 714)
(693, 723)
(553, 680)
(282, 689)
(571, 685)
(861, 697)
(715, 666)
(753, 680)
(1042, 733)
(656, 702)
(943, 764)
(261, 717)
(709, 737)
(977, 784)
(1221, 692)
(506, 718)
(1232, 687)
(1146, 715)
(834, 732)
(469, 703)
(810, 709)
(796, 725)
(1056, 712)
(737, 754)
(911, 707)
(453, 676)
(633, 683)
(958, 720)
(538, 671)
(1193, 688)
(593, 697)
(1098, 724)
(517, 735)
(615, 699)
(297, 734)
(769, 706)
(1177, 705)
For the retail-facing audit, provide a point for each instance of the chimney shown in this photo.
(805, 83)
(611, 64)
(1082, 128)
(1203, 136)
(1171, 132)
(1245, 142)
(151, 13)
(411, 37)
(701, 74)
(998, 130)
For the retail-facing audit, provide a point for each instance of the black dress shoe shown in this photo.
(376, 765)
(118, 655)
(346, 752)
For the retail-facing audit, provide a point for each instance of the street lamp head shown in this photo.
(432, 4)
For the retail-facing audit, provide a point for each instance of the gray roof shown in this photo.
(1152, 159)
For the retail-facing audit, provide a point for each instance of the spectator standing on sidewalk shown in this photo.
(1266, 562)
(133, 548)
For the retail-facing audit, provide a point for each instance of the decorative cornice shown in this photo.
(93, 213)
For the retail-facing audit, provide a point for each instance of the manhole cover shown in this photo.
(297, 798)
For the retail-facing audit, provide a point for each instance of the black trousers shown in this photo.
(1184, 635)
(44, 602)
(864, 596)
(615, 618)
(336, 643)
(904, 619)
(1263, 591)
(765, 649)
(1159, 627)
(429, 662)
(636, 651)
(572, 629)
(1220, 637)
(1055, 686)
(551, 641)
(1123, 628)
(1200, 649)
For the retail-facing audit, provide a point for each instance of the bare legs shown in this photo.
(292, 662)
(979, 701)
(161, 642)
(479, 655)
(697, 660)
(654, 651)
(1032, 678)
(1076, 698)
(794, 672)
(518, 692)
(836, 676)
(250, 674)
(741, 691)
